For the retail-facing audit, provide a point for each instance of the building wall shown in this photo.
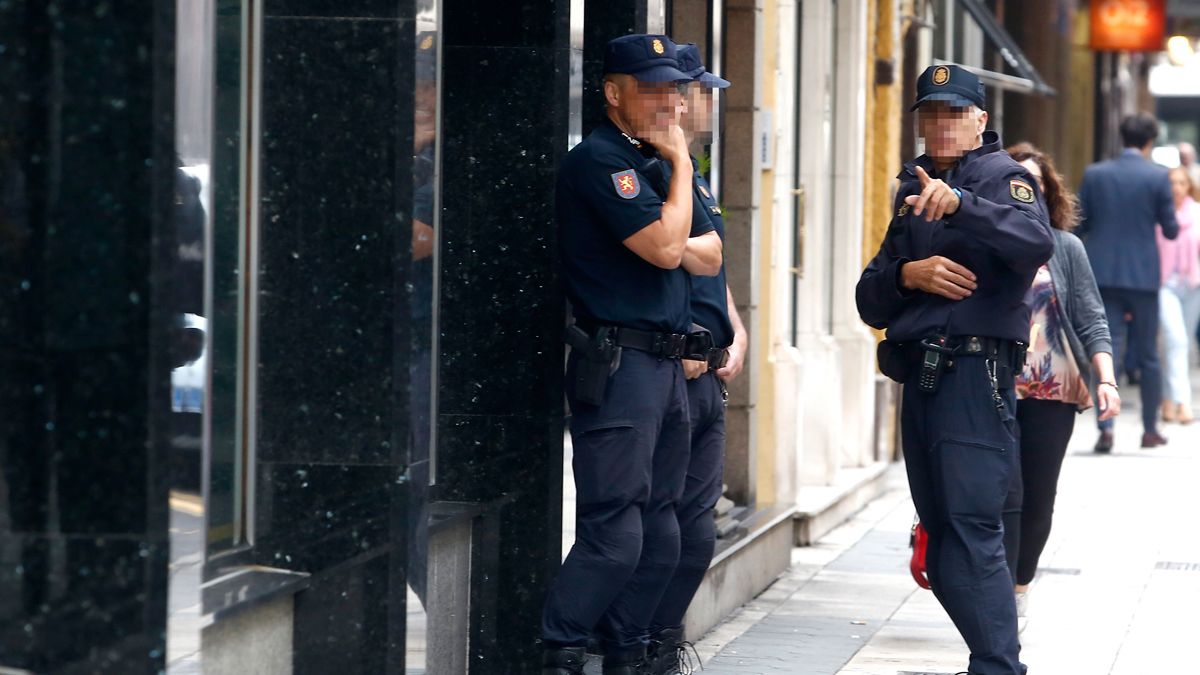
(816, 388)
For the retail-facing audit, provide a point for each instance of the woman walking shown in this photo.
(1069, 344)
(1179, 299)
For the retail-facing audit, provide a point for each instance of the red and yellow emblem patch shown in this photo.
(1021, 191)
(626, 183)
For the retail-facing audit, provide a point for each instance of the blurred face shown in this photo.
(1036, 172)
(1187, 154)
(646, 108)
(1181, 185)
(697, 120)
(949, 132)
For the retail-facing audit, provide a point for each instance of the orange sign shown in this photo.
(1128, 25)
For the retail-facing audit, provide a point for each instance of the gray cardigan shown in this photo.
(1080, 308)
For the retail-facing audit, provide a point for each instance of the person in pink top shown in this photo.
(1179, 299)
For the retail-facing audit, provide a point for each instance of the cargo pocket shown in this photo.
(974, 476)
(610, 463)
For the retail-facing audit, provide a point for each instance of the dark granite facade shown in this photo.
(86, 193)
(505, 77)
(332, 445)
(351, 381)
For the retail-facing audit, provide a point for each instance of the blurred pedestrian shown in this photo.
(1179, 299)
(1122, 201)
(1069, 342)
(1187, 159)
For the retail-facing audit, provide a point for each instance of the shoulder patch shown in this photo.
(626, 184)
(1021, 191)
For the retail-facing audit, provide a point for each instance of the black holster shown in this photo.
(600, 356)
(699, 344)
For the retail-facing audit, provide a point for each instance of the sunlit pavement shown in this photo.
(1118, 593)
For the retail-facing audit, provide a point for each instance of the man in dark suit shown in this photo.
(1122, 200)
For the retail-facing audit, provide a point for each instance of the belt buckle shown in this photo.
(677, 345)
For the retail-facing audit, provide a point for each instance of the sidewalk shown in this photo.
(1117, 594)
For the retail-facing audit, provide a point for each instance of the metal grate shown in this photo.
(1178, 566)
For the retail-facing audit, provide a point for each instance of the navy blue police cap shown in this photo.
(649, 58)
(691, 64)
(953, 84)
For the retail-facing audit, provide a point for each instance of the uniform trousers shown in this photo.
(702, 489)
(630, 457)
(961, 452)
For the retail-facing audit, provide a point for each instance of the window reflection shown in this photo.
(422, 343)
(188, 346)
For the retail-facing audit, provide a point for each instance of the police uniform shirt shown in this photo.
(602, 199)
(709, 307)
(1000, 232)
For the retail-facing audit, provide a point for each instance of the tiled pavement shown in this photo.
(1117, 596)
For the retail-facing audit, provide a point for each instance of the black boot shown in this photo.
(629, 662)
(662, 657)
(563, 661)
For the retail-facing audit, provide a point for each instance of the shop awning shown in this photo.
(1027, 79)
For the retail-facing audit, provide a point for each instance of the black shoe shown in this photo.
(563, 661)
(1105, 444)
(1153, 439)
(630, 662)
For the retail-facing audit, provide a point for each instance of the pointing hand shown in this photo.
(937, 199)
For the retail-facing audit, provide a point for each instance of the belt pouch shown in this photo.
(894, 361)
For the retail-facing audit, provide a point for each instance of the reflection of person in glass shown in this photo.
(187, 331)
(421, 306)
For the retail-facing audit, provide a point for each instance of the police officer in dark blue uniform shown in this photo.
(713, 311)
(627, 252)
(969, 233)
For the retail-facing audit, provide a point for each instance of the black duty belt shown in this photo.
(662, 345)
(1004, 351)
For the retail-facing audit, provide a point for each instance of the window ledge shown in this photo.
(244, 587)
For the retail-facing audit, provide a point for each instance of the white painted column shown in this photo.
(819, 405)
(856, 345)
(784, 359)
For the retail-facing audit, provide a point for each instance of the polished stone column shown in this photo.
(86, 195)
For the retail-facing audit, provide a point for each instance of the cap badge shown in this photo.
(626, 183)
(941, 75)
(658, 46)
(1021, 191)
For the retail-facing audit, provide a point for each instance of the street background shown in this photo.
(1116, 594)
